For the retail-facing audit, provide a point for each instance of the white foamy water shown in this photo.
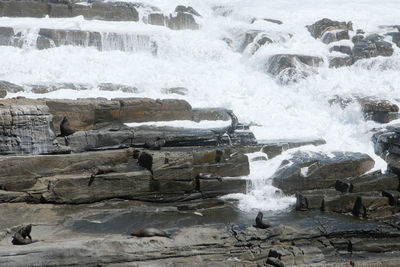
(218, 76)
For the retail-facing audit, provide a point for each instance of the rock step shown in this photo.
(113, 11)
(274, 148)
(308, 170)
(170, 175)
(134, 185)
(183, 18)
(22, 172)
(103, 41)
(375, 181)
(187, 163)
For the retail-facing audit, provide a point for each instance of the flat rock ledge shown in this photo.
(310, 241)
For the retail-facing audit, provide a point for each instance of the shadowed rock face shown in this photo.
(311, 170)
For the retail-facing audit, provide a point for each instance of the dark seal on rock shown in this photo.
(100, 170)
(154, 145)
(65, 127)
(3, 187)
(259, 223)
(149, 232)
(23, 236)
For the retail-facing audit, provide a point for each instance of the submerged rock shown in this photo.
(292, 68)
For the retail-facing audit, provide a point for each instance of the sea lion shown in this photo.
(3, 187)
(23, 236)
(100, 170)
(259, 223)
(149, 232)
(65, 127)
(154, 145)
(208, 176)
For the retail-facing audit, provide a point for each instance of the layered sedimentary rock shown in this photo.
(26, 127)
(114, 11)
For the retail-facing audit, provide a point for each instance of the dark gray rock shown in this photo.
(320, 27)
(311, 170)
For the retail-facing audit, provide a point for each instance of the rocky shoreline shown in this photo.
(46, 180)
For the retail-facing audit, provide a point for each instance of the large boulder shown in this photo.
(307, 170)
(291, 68)
(321, 26)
